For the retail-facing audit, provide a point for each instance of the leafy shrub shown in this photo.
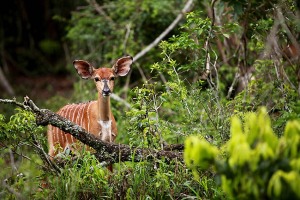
(19, 174)
(83, 178)
(254, 163)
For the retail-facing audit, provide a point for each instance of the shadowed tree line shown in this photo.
(33, 41)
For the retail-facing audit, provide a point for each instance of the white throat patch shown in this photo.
(105, 133)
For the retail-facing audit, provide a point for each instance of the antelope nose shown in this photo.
(106, 91)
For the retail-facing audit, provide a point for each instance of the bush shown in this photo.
(254, 163)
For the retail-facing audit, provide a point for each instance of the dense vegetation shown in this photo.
(225, 81)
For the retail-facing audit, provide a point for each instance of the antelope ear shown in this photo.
(84, 69)
(122, 66)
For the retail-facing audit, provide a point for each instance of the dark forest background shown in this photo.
(34, 47)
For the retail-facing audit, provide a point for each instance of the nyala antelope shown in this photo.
(94, 116)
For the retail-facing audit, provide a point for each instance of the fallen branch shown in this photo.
(105, 152)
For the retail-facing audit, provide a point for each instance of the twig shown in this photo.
(128, 26)
(44, 156)
(12, 160)
(270, 38)
(127, 83)
(206, 46)
(186, 9)
(141, 72)
(20, 154)
(287, 30)
(236, 77)
(15, 102)
(272, 46)
(101, 11)
(119, 99)
(11, 190)
(4, 82)
(67, 53)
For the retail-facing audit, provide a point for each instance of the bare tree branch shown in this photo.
(119, 99)
(15, 102)
(231, 88)
(186, 9)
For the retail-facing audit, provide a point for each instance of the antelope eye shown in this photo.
(97, 79)
(112, 78)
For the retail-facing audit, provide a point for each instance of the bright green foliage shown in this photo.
(144, 124)
(20, 126)
(86, 178)
(254, 163)
(165, 180)
(16, 137)
(199, 153)
(83, 178)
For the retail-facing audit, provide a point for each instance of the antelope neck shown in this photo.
(104, 113)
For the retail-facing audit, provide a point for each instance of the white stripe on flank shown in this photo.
(88, 117)
(68, 117)
(78, 114)
(53, 134)
(73, 112)
(74, 121)
(82, 114)
(58, 131)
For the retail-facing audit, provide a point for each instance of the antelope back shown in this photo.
(79, 114)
